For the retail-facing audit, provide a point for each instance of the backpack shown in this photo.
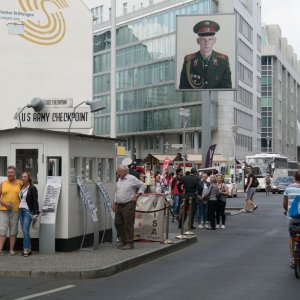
(255, 182)
(294, 210)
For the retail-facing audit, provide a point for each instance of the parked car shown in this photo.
(280, 184)
(232, 187)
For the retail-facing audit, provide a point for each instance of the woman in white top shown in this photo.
(28, 210)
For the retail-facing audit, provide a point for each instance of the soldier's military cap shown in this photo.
(206, 28)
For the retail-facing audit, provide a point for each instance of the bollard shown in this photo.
(189, 232)
(182, 236)
(167, 240)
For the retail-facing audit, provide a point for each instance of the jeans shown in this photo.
(25, 220)
(176, 203)
(221, 211)
(212, 209)
(201, 212)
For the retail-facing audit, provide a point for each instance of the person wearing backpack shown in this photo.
(249, 189)
(291, 196)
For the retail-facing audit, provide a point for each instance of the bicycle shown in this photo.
(296, 251)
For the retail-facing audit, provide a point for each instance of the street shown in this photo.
(247, 260)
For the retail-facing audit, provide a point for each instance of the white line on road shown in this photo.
(47, 292)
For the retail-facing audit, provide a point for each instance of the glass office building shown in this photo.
(147, 102)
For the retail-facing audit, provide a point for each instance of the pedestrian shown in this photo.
(249, 189)
(176, 195)
(9, 200)
(221, 201)
(201, 205)
(213, 193)
(289, 194)
(129, 189)
(189, 184)
(28, 210)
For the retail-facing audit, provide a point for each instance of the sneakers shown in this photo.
(207, 226)
(254, 208)
(200, 226)
(223, 227)
(217, 226)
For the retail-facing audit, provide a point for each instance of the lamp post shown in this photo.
(234, 132)
(184, 113)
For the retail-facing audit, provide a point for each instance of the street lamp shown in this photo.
(36, 103)
(184, 113)
(234, 132)
(95, 106)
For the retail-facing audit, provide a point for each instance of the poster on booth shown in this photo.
(50, 200)
(149, 217)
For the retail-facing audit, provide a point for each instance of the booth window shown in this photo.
(109, 169)
(3, 165)
(100, 169)
(88, 169)
(27, 160)
(53, 166)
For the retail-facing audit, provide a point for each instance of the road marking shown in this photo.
(150, 290)
(47, 292)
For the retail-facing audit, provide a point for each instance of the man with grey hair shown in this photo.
(129, 188)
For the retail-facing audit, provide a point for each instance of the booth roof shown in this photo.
(217, 158)
(71, 134)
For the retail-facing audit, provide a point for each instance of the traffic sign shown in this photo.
(176, 145)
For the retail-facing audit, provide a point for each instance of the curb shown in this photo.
(107, 270)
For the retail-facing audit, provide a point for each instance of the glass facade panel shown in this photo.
(145, 73)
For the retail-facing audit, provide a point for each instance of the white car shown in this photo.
(232, 187)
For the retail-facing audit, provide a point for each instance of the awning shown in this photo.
(218, 158)
(159, 158)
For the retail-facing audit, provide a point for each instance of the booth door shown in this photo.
(29, 157)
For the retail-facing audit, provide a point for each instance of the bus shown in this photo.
(293, 167)
(265, 164)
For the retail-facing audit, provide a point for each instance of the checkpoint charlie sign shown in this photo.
(57, 118)
(58, 113)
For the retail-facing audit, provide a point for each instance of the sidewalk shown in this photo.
(87, 264)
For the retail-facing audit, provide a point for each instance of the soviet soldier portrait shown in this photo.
(206, 69)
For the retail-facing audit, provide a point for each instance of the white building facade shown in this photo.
(280, 94)
(46, 52)
(148, 104)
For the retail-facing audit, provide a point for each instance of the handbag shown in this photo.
(294, 210)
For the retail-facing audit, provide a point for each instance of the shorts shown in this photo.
(9, 220)
(293, 228)
(250, 193)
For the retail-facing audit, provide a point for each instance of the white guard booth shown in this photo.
(47, 153)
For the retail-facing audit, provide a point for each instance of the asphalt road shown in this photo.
(247, 260)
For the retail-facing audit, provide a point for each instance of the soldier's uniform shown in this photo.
(210, 73)
(198, 73)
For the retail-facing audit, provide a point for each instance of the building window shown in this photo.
(125, 7)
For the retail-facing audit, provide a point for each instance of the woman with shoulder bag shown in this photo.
(28, 210)
(221, 203)
(212, 202)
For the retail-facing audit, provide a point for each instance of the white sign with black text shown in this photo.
(50, 200)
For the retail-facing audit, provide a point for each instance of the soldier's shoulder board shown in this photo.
(190, 56)
(221, 56)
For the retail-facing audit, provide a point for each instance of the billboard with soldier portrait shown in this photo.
(206, 52)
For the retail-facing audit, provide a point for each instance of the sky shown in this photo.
(286, 14)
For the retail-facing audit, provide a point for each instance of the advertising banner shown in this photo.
(149, 217)
(206, 52)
